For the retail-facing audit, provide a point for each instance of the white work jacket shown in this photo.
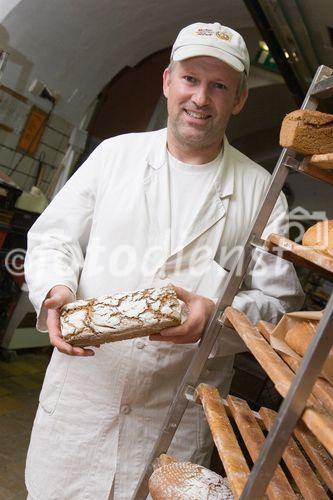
(108, 231)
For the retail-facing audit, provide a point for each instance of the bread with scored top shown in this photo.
(120, 316)
(188, 481)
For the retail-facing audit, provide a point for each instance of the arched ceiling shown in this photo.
(76, 46)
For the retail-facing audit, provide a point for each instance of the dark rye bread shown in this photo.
(308, 132)
(120, 316)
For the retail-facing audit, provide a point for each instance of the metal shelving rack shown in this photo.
(301, 385)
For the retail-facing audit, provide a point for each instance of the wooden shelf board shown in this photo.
(300, 255)
(225, 440)
(324, 161)
(316, 452)
(250, 425)
(315, 416)
(311, 169)
(254, 439)
(297, 464)
(322, 389)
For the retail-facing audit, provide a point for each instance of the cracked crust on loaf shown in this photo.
(188, 481)
(120, 316)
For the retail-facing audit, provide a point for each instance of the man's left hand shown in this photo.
(199, 310)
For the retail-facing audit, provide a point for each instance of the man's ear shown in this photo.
(166, 82)
(239, 102)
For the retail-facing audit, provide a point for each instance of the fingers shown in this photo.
(59, 296)
(54, 302)
(66, 348)
(56, 339)
(53, 321)
(199, 311)
(177, 330)
(157, 336)
(183, 294)
(186, 333)
(184, 340)
(188, 339)
(192, 324)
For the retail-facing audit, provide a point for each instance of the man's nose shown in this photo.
(201, 96)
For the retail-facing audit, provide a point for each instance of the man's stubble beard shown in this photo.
(196, 141)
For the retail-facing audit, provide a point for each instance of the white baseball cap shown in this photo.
(215, 40)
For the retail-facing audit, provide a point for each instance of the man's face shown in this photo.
(202, 95)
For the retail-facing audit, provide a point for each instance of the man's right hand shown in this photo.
(59, 296)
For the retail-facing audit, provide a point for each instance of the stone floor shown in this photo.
(21, 378)
(20, 382)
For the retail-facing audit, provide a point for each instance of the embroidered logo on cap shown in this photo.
(204, 32)
(224, 35)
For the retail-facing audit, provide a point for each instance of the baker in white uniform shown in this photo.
(147, 209)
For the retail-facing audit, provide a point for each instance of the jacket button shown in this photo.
(125, 409)
(140, 344)
(162, 275)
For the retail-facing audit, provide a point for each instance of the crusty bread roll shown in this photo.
(308, 132)
(320, 237)
(322, 161)
(121, 316)
(164, 459)
(187, 481)
(299, 338)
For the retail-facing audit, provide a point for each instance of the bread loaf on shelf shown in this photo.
(299, 338)
(120, 316)
(308, 132)
(322, 161)
(187, 481)
(163, 459)
(320, 237)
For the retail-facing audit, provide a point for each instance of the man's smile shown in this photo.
(197, 114)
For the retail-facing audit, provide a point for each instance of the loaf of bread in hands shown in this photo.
(120, 316)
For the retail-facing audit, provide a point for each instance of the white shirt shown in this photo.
(189, 187)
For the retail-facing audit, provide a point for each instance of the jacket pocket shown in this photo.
(212, 281)
(55, 378)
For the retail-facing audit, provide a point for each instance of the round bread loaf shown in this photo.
(299, 338)
(187, 481)
(320, 236)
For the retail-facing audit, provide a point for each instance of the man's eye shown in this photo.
(189, 79)
(221, 86)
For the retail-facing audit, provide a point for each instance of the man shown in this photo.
(144, 210)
